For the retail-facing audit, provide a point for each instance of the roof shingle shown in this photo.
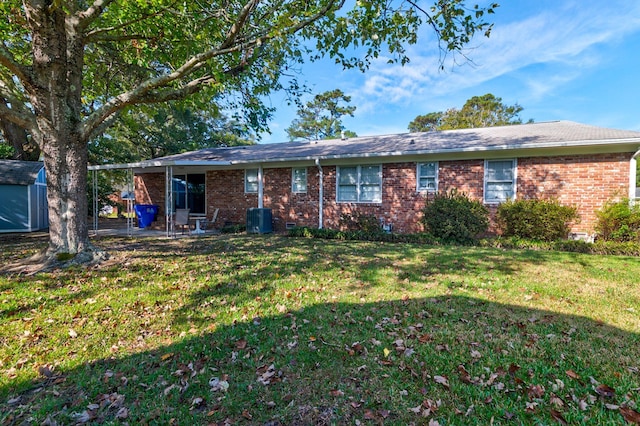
(14, 172)
(534, 135)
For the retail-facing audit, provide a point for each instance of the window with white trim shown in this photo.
(499, 180)
(360, 184)
(251, 181)
(299, 180)
(428, 176)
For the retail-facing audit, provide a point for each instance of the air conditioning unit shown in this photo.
(259, 221)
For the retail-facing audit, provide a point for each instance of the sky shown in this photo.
(576, 60)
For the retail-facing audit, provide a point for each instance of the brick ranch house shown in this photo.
(314, 183)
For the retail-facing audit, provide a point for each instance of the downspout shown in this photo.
(632, 176)
(260, 187)
(320, 193)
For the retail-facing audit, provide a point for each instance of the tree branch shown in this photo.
(22, 118)
(95, 34)
(88, 16)
(143, 92)
(23, 73)
(235, 29)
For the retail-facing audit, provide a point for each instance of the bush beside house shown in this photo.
(454, 218)
(619, 221)
(543, 220)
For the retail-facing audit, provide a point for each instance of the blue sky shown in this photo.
(575, 60)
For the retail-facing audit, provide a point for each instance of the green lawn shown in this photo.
(270, 330)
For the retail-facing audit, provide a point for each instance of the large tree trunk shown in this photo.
(65, 159)
(56, 99)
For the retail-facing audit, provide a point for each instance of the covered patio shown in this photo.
(182, 193)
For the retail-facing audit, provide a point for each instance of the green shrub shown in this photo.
(573, 246)
(619, 221)
(233, 228)
(334, 234)
(360, 222)
(544, 220)
(454, 218)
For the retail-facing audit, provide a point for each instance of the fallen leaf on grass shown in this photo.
(369, 415)
(122, 413)
(605, 391)
(573, 374)
(630, 415)
(84, 417)
(267, 374)
(535, 391)
(424, 338)
(557, 401)
(169, 389)
(14, 401)
(441, 380)
(218, 385)
(443, 348)
(45, 371)
(557, 416)
(464, 374)
(355, 349)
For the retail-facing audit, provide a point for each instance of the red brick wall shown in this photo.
(225, 191)
(586, 182)
(401, 203)
(465, 176)
(287, 206)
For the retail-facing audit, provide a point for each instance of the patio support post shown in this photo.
(130, 202)
(260, 187)
(95, 201)
(320, 193)
(168, 196)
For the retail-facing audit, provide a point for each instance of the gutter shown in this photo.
(151, 163)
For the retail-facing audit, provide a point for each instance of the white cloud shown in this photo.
(563, 38)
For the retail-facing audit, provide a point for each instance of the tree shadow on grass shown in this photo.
(358, 266)
(456, 360)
